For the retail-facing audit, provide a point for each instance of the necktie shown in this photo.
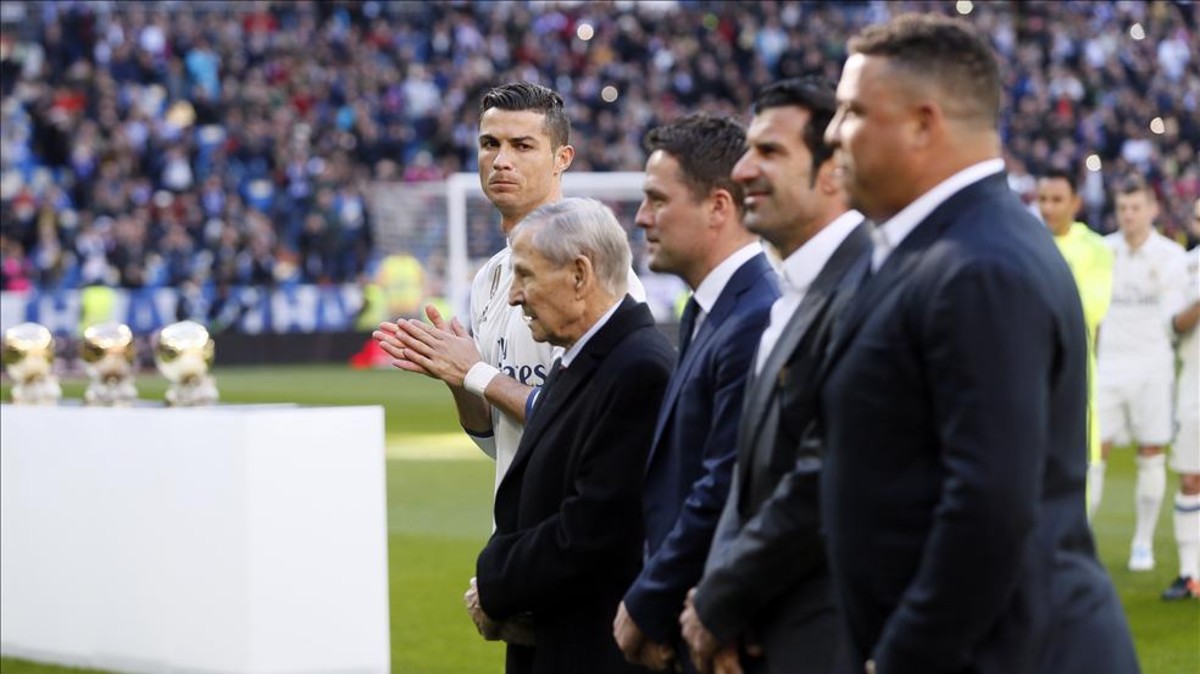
(687, 325)
(556, 369)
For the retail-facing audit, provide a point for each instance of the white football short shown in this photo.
(1137, 407)
(1185, 453)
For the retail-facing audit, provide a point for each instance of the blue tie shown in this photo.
(556, 369)
(687, 325)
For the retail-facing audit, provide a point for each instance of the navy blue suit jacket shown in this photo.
(695, 445)
(955, 414)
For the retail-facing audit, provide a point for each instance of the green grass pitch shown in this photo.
(439, 500)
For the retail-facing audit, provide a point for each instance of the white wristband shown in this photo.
(478, 377)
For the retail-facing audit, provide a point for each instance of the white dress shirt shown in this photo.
(888, 235)
(799, 270)
(710, 289)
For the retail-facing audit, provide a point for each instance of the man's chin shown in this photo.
(658, 266)
(502, 198)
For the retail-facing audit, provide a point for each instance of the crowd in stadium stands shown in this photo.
(234, 143)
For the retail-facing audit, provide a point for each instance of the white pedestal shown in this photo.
(241, 539)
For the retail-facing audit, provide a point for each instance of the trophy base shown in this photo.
(198, 392)
(38, 391)
(111, 393)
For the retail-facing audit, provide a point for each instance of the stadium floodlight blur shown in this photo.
(214, 153)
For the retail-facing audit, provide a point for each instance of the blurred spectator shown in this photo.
(277, 113)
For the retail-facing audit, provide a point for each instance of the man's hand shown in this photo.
(703, 643)
(442, 349)
(488, 628)
(727, 661)
(392, 346)
(517, 630)
(637, 649)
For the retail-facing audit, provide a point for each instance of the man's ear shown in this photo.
(582, 275)
(828, 181)
(721, 205)
(929, 123)
(563, 158)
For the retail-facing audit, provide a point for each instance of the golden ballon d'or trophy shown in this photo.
(29, 359)
(109, 355)
(184, 354)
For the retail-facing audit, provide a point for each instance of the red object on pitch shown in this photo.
(370, 355)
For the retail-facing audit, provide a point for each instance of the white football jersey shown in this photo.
(505, 342)
(1148, 290)
(1189, 344)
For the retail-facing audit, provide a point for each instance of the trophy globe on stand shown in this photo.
(184, 355)
(109, 356)
(29, 359)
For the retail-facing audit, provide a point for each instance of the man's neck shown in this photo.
(1061, 230)
(593, 311)
(717, 255)
(1135, 239)
(510, 220)
(806, 231)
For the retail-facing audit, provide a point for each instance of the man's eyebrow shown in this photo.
(514, 139)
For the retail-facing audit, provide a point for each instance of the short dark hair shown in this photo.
(1057, 173)
(520, 96)
(706, 148)
(814, 94)
(1135, 184)
(944, 50)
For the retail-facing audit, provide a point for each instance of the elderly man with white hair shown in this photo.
(568, 537)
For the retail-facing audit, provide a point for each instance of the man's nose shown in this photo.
(832, 137)
(502, 159)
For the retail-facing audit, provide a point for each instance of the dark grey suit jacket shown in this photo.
(955, 416)
(766, 572)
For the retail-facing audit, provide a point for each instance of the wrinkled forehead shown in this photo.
(525, 254)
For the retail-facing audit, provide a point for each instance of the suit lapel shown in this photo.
(762, 387)
(741, 281)
(899, 265)
(630, 316)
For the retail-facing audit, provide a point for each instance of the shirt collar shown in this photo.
(802, 266)
(714, 284)
(890, 234)
(572, 352)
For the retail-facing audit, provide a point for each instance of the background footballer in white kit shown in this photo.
(1185, 452)
(1136, 361)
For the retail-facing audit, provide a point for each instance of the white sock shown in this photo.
(1095, 486)
(1149, 494)
(1187, 534)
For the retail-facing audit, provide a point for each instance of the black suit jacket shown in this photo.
(767, 572)
(568, 537)
(691, 458)
(955, 411)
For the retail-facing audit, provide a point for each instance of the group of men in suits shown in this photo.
(873, 462)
